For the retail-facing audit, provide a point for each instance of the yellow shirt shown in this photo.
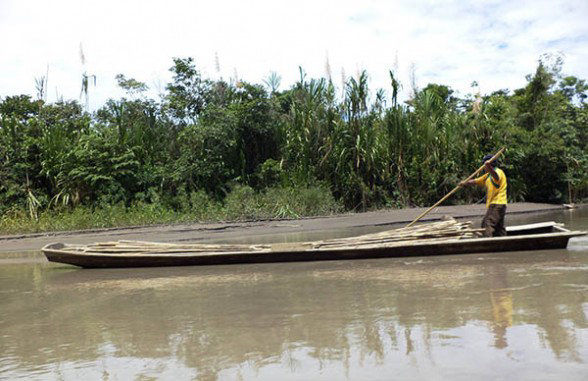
(495, 191)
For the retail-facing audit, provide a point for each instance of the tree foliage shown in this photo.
(370, 150)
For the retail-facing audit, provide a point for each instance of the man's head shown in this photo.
(488, 157)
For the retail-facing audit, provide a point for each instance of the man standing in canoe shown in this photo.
(495, 182)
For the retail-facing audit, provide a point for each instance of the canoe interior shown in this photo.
(538, 228)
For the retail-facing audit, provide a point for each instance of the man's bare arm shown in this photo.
(491, 171)
(466, 183)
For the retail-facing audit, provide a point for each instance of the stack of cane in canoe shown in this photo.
(142, 247)
(436, 231)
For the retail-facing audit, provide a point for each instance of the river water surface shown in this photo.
(511, 316)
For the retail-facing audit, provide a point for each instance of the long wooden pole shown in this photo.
(455, 189)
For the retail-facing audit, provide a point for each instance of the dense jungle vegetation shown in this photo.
(217, 150)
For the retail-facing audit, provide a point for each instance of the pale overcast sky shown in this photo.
(495, 42)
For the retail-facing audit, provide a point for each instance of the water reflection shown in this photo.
(515, 315)
(502, 304)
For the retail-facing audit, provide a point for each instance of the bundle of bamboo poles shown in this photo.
(436, 231)
(142, 247)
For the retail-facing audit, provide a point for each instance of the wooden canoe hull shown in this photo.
(543, 241)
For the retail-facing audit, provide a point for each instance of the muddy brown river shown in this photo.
(503, 316)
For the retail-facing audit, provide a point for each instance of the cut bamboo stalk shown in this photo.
(432, 232)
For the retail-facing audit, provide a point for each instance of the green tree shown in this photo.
(186, 96)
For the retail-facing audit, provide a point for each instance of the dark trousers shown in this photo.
(493, 221)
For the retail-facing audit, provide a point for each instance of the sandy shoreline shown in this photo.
(248, 231)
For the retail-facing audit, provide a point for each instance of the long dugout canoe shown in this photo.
(541, 236)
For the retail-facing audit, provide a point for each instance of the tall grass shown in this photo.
(243, 203)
